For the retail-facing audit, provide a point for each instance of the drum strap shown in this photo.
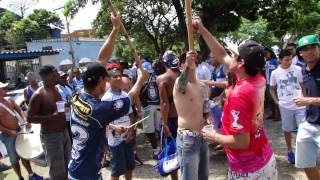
(13, 113)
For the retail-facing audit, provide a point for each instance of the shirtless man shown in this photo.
(168, 110)
(31, 88)
(189, 96)
(9, 128)
(54, 134)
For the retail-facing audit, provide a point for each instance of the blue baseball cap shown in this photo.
(147, 66)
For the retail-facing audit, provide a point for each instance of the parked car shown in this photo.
(18, 97)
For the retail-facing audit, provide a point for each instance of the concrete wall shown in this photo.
(49, 60)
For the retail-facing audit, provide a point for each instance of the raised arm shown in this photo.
(188, 74)
(215, 47)
(142, 77)
(108, 46)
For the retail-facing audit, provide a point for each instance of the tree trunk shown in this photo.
(182, 22)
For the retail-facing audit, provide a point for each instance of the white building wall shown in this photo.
(82, 48)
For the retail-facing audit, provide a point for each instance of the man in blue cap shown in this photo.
(308, 138)
(168, 110)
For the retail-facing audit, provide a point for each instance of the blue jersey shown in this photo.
(218, 75)
(271, 65)
(89, 117)
(77, 85)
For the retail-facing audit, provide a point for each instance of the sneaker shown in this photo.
(138, 160)
(295, 130)
(35, 177)
(291, 158)
(155, 157)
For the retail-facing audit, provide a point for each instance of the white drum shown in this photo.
(28, 144)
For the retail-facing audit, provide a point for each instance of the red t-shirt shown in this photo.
(239, 114)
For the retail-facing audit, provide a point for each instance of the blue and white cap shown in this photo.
(170, 59)
(147, 66)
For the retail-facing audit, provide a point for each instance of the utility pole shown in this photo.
(70, 43)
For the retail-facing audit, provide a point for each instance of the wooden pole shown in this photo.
(125, 34)
(189, 24)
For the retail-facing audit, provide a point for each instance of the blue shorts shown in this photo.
(122, 159)
(308, 145)
(9, 142)
(291, 118)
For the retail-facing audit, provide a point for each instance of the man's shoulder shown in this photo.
(9, 100)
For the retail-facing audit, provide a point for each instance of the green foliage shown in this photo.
(17, 31)
(267, 21)
(256, 30)
(45, 18)
(7, 19)
(24, 30)
(292, 17)
(152, 25)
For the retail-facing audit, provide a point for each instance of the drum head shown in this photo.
(28, 146)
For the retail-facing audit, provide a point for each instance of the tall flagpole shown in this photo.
(125, 34)
(189, 24)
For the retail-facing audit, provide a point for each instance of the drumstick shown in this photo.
(125, 34)
(189, 24)
(29, 132)
(140, 121)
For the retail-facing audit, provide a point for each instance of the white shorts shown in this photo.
(308, 145)
(268, 172)
(291, 119)
(151, 124)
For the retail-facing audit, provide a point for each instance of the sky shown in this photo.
(82, 20)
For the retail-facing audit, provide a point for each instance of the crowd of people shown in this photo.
(179, 97)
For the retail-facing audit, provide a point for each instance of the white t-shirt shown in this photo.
(288, 85)
(203, 72)
(114, 138)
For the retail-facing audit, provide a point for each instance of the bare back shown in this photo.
(168, 79)
(43, 103)
(190, 106)
(6, 119)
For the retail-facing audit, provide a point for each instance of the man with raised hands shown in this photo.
(90, 115)
(247, 147)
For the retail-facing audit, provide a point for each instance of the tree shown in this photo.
(151, 23)
(21, 6)
(45, 18)
(255, 30)
(292, 18)
(24, 30)
(7, 19)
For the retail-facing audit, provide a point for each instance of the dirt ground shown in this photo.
(218, 164)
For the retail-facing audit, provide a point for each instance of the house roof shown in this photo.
(21, 55)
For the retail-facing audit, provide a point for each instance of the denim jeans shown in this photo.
(9, 142)
(57, 148)
(194, 156)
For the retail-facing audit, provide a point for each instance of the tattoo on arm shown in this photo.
(183, 80)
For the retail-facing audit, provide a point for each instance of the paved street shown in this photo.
(218, 164)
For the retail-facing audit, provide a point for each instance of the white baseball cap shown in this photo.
(2, 85)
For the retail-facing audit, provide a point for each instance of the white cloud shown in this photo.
(82, 19)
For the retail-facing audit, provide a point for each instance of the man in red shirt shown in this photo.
(249, 153)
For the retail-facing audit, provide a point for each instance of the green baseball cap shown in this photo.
(308, 40)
